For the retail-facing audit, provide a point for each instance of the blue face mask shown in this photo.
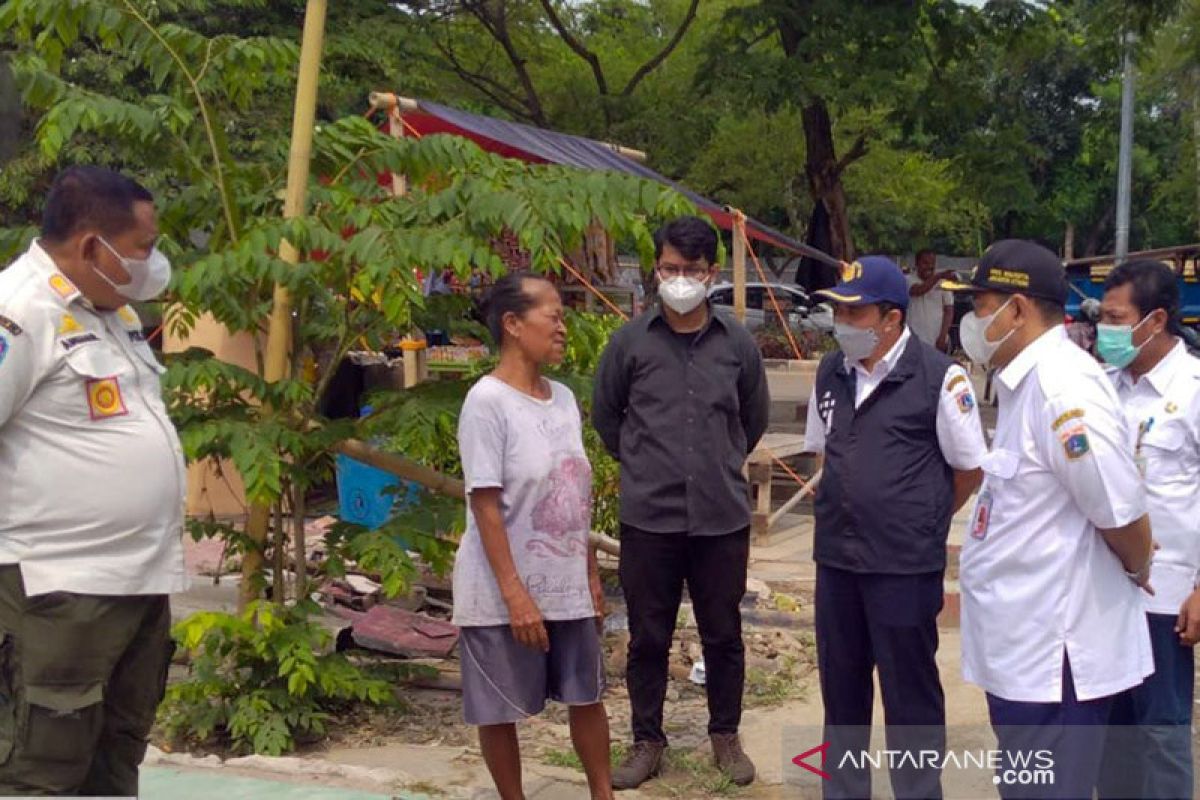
(1115, 344)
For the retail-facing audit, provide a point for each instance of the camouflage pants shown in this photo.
(80, 679)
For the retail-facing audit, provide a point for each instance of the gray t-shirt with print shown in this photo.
(533, 450)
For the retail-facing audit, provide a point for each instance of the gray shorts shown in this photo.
(504, 681)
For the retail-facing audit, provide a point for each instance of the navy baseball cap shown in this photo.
(1017, 266)
(871, 279)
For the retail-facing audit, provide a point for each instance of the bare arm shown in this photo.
(1133, 545)
(524, 616)
(947, 319)
(966, 482)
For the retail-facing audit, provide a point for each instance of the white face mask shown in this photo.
(681, 294)
(973, 333)
(148, 277)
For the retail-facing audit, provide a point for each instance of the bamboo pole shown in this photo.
(279, 332)
(739, 266)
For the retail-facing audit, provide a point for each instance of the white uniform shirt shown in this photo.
(1037, 579)
(925, 312)
(959, 432)
(1163, 412)
(93, 489)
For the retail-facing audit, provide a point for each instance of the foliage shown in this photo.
(354, 284)
(262, 680)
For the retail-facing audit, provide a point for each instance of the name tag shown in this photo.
(983, 515)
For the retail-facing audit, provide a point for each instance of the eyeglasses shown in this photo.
(683, 270)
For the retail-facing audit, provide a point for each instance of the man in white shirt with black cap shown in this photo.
(1158, 382)
(1059, 543)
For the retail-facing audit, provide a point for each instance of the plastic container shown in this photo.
(368, 496)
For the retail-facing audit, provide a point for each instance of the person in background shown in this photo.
(680, 400)
(930, 308)
(91, 506)
(1058, 543)
(1158, 383)
(527, 594)
(898, 428)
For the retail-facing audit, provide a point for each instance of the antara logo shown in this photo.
(800, 760)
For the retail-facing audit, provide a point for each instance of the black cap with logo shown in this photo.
(1016, 266)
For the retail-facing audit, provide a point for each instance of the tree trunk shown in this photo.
(824, 174)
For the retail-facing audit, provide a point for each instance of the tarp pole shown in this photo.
(279, 332)
(739, 266)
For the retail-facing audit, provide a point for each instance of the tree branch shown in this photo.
(496, 23)
(661, 55)
(571, 41)
(857, 151)
(489, 87)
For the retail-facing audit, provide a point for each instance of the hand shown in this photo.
(1188, 625)
(528, 627)
(597, 589)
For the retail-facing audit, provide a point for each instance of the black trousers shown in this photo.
(654, 567)
(866, 622)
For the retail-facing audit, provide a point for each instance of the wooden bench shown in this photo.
(759, 469)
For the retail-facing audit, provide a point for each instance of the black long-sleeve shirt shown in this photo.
(681, 412)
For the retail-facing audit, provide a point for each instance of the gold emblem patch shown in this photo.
(68, 325)
(104, 398)
(61, 286)
(851, 272)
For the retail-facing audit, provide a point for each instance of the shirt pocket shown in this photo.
(1000, 465)
(97, 382)
(1162, 448)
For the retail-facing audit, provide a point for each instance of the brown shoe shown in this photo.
(731, 759)
(644, 761)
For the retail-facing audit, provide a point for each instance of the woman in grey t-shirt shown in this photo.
(527, 593)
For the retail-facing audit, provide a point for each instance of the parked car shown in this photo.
(801, 310)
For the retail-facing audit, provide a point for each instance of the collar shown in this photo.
(889, 361)
(655, 314)
(1160, 377)
(1012, 375)
(58, 284)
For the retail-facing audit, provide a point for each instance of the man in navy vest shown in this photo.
(897, 426)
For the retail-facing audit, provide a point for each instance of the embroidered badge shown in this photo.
(1067, 416)
(3, 348)
(851, 272)
(825, 410)
(966, 401)
(127, 316)
(104, 398)
(61, 286)
(955, 381)
(68, 325)
(10, 326)
(1075, 441)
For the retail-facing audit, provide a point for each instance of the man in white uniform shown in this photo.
(91, 505)
(1158, 382)
(930, 307)
(1052, 619)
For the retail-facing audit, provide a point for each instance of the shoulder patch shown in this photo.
(68, 325)
(128, 316)
(1074, 440)
(966, 401)
(1067, 416)
(61, 286)
(10, 326)
(957, 380)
